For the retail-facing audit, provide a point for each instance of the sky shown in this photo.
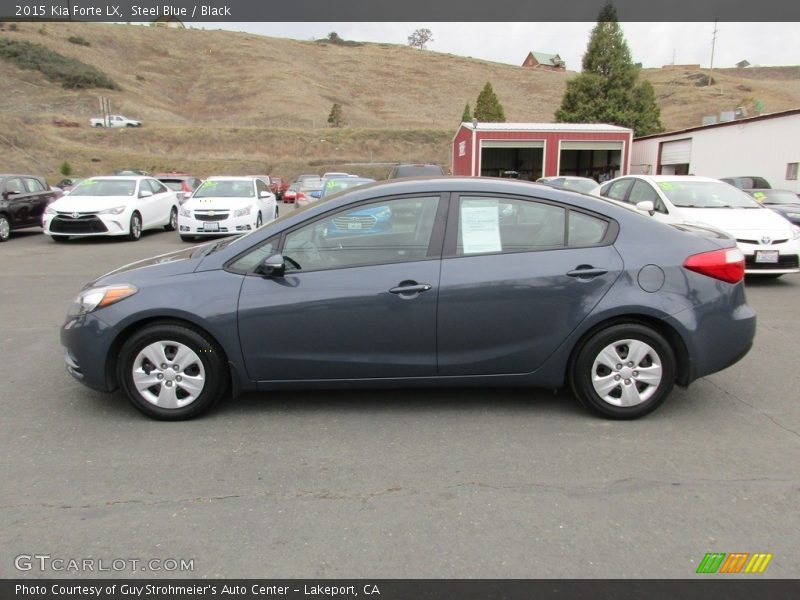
(652, 44)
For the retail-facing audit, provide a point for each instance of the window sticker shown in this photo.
(480, 227)
(759, 196)
(666, 185)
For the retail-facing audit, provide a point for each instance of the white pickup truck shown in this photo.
(114, 121)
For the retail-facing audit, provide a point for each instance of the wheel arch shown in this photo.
(676, 342)
(131, 328)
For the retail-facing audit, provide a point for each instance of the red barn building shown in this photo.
(536, 150)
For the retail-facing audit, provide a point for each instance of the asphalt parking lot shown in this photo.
(455, 483)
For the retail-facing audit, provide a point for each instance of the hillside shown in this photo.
(219, 101)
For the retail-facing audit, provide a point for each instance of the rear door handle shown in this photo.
(586, 272)
(407, 289)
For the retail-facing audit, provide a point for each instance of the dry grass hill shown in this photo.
(225, 102)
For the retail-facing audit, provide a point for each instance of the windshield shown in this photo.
(706, 194)
(105, 187)
(776, 197)
(233, 188)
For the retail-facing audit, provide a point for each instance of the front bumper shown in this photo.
(87, 341)
(87, 225)
(787, 259)
(227, 226)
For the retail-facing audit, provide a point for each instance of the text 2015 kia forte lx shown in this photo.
(460, 282)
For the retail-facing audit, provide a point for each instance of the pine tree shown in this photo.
(466, 116)
(335, 116)
(606, 90)
(488, 108)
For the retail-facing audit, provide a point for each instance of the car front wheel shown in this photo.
(624, 371)
(5, 228)
(135, 229)
(171, 372)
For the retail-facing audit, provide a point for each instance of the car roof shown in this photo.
(233, 177)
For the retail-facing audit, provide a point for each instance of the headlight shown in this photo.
(49, 211)
(793, 215)
(100, 297)
(241, 212)
(117, 210)
(384, 213)
(795, 232)
(185, 212)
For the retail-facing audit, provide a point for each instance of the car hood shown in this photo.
(89, 203)
(163, 265)
(738, 220)
(218, 203)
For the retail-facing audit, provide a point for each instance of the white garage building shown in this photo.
(766, 145)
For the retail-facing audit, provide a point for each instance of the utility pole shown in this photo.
(713, 44)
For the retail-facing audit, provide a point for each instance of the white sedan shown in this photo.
(770, 243)
(112, 206)
(227, 206)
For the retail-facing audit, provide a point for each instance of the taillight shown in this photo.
(185, 187)
(726, 264)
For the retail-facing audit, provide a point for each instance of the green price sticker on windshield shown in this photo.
(760, 196)
(666, 186)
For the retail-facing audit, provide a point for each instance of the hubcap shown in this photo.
(168, 374)
(5, 228)
(627, 373)
(136, 227)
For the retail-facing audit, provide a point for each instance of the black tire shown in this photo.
(259, 221)
(135, 227)
(98, 125)
(276, 212)
(59, 239)
(207, 365)
(5, 228)
(187, 238)
(173, 220)
(628, 382)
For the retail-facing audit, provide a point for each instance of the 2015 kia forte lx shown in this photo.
(422, 282)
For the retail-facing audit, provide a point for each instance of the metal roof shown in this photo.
(583, 127)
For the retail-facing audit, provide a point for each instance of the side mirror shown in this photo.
(646, 206)
(316, 194)
(145, 194)
(264, 194)
(274, 266)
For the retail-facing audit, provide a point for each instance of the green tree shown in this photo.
(606, 90)
(466, 116)
(488, 108)
(335, 116)
(66, 169)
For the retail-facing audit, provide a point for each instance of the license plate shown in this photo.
(211, 227)
(767, 256)
(355, 225)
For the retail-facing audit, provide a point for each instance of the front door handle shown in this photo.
(410, 288)
(586, 272)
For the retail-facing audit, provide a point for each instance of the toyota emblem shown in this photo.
(211, 213)
(75, 215)
(766, 240)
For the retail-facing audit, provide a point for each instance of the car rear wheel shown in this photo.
(135, 229)
(5, 228)
(173, 220)
(624, 371)
(171, 372)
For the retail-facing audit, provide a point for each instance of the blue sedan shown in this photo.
(466, 282)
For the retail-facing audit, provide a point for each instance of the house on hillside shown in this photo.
(742, 64)
(549, 62)
(169, 21)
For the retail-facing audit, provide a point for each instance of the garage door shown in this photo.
(678, 152)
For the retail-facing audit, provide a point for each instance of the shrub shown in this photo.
(66, 169)
(71, 73)
(76, 39)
